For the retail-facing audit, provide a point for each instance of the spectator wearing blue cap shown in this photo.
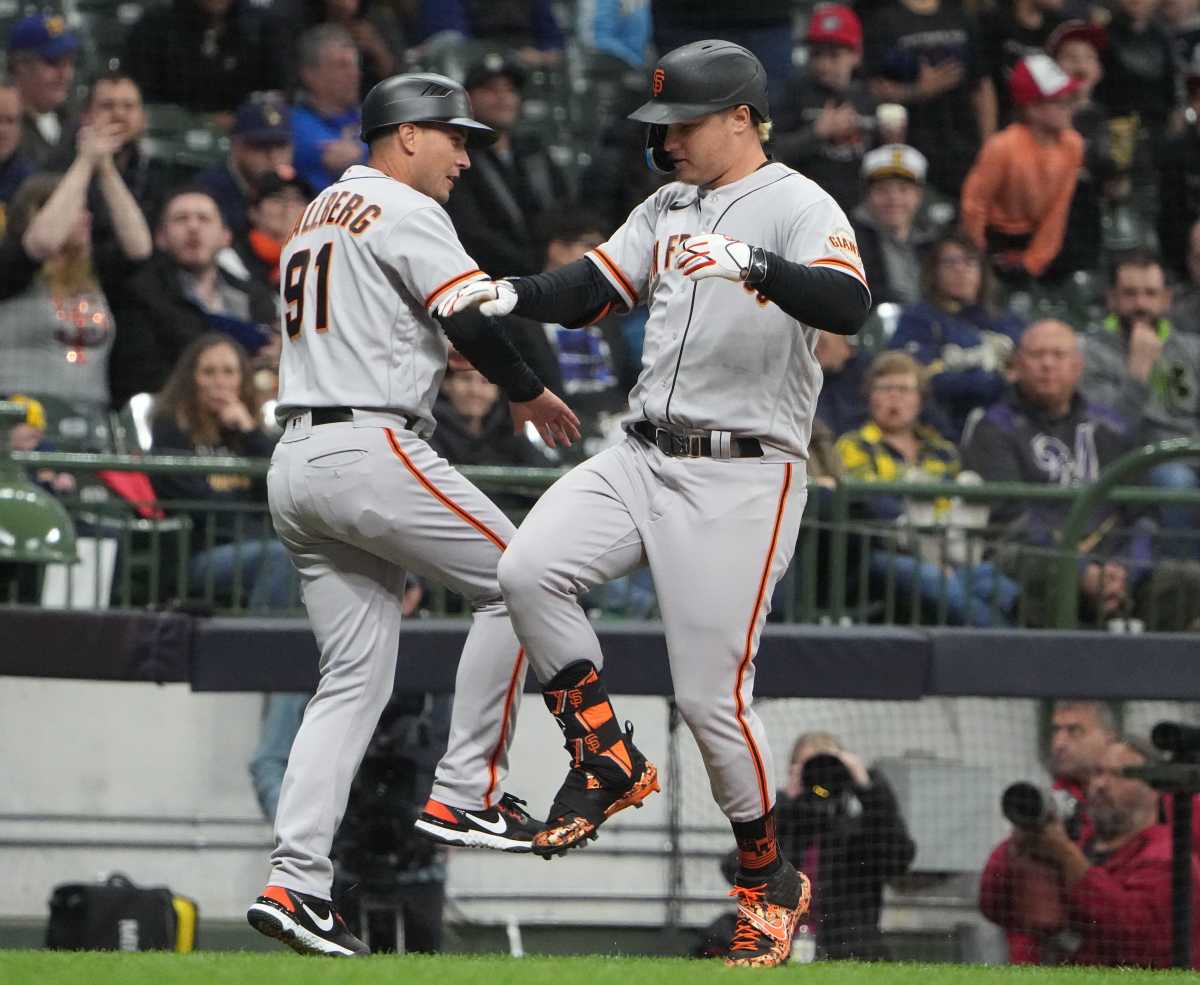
(327, 122)
(207, 55)
(41, 64)
(15, 167)
(261, 146)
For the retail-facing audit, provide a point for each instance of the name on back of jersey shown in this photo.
(342, 208)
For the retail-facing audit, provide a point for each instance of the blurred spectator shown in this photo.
(498, 201)
(473, 424)
(619, 29)
(1044, 430)
(30, 435)
(1137, 362)
(1008, 32)
(954, 332)
(206, 55)
(764, 27)
(114, 102)
(56, 322)
(1107, 902)
(371, 23)
(1016, 198)
(1179, 178)
(276, 206)
(1080, 731)
(845, 830)
(1182, 20)
(924, 55)
(182, 295)
(528, 26)
(1185, 311)
(842, 403)
(1077, 46)
(1142, 366)
(1140, 71)
(822, 127)
(260, 145)
(208, 407)
(885, 224)
(326, 123)
(587, 366)
(15, 167)
(893, 446)
(41, 64)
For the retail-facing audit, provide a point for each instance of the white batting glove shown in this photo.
(713, 255)
(494, 298)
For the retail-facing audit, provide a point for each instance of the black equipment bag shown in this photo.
(116, 915)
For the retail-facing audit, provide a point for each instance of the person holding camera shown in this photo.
(1106, 901)
(842, 821)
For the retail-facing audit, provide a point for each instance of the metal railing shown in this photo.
(847, 566)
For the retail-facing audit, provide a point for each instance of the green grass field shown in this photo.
(46, 968)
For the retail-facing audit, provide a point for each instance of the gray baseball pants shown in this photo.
(359, 505)
(717, 535)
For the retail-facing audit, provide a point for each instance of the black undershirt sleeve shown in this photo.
(818, 296)
(571, 296)
(487, 347)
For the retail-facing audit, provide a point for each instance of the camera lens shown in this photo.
(826, 776)
(1026, 806)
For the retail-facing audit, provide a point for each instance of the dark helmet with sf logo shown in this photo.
(694, 80)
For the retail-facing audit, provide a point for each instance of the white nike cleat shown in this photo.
(505, 827)
(304, 923)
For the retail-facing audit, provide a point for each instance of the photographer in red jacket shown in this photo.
(1105, 903)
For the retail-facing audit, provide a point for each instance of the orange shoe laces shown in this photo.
(745, 934)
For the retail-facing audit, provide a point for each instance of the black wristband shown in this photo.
(756, 270)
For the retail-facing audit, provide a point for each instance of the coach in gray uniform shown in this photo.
(740, 261)
(359, 498)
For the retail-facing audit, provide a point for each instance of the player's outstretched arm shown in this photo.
(818, 296)
(489, 349)
(554, 420)
(573, 296)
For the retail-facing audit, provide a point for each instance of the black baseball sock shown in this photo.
(758, 848)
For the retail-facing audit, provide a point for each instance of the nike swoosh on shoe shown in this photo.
(496, 827)
(322, 923)
(776, 930)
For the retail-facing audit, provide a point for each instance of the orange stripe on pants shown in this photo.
(441, 496)
(764, 789)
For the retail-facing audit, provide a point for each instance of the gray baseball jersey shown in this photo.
(717, 533)
(360, 503)
(717, 355)
(392, 254)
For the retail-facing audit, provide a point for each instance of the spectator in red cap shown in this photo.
(1008, 32)
(41, 63)
(823, 127)
(1017, 196)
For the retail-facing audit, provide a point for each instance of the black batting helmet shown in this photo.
(421, 97)
(697, 79)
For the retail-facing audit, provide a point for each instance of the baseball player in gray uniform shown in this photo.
(359, 498)
(740, 261)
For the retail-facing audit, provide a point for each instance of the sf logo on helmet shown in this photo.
(656, 83)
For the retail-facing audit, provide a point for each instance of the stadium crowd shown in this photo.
(1023, 182)
(1022, 178)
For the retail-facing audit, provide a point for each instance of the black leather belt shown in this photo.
(692, 444)
(344, 415)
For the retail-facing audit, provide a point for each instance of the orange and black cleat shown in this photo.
(607, 772)
(584, 802)
(769, 911)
